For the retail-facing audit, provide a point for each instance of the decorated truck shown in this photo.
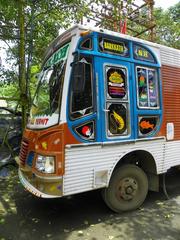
(106, 115)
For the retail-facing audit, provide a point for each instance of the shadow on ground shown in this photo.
(85, 216)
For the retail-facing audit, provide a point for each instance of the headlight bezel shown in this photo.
(45, 164)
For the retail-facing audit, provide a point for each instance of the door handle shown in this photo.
(106, 110)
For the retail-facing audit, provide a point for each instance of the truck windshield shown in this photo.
(47, 97)
(45, 109)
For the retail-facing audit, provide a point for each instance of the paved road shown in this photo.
(85, 216)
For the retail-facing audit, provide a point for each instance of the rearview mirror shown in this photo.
(78, 72)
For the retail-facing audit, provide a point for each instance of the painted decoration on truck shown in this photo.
(116, 82)
(143, 54)
(117, 118)
(147, 87)
(114, 47)
(86, 131)
(153, 94)
(147, 124)
(142, 87)
(59, 55)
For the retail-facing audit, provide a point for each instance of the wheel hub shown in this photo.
(127, 189)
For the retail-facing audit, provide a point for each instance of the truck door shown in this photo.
(115, 113)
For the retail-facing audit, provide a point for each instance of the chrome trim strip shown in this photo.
(53, 178)
(102, 144)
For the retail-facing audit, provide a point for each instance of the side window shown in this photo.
(117, 102)
(81, 93)
(117, 119)
(147, 87)
(147, 125)
(116, 83)
(86, 131)
(86, 44)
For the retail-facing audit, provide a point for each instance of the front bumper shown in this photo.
(51, 188)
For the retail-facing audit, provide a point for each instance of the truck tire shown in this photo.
(127, 189)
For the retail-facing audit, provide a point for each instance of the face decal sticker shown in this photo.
(86, 131)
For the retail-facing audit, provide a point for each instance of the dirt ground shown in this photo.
(85, 216)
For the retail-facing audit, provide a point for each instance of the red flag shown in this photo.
(124, 27)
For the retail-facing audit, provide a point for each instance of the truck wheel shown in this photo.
(127, 188)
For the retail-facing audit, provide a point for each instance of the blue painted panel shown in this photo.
(100, 71)
(99, 59)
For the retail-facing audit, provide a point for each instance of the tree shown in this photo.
(28, 26)
(168, 26)
(22, 64)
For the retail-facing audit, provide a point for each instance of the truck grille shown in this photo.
(23, 152)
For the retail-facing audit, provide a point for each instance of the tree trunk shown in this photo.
(22, 63)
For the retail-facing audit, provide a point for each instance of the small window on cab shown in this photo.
(81, 88)
(86, 44)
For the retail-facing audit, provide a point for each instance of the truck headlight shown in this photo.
(45, 164)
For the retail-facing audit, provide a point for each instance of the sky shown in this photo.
(158, 3)
(165, 3)
(161, 3)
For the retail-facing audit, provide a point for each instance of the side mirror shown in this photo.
(78, 83)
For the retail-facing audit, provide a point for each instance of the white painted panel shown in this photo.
(172, 154)
(170, 56)
(82, 161)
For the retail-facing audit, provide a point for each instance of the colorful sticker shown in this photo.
(147, 125)
(116, 82)
(153, 97)
(114, 47)
(86, 131)
(142, 87)
(115, 77)
(117, 119)
(141, 53)
(142, 81)
(143, 97)
(147, 87)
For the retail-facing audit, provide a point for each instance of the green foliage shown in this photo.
(9, 90)
(43, 19)
(35, 69)
(168, 26)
